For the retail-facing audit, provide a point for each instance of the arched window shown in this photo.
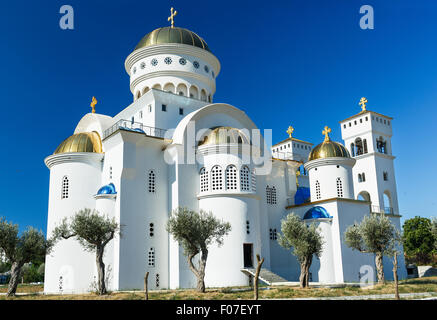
(216, 178)
(152, 188)
(365, 145)
(65, 187)
(244, 178)
(231, 178)
(318, 194)
(151, 257)
(359, 146)
(387, 202)
(353, 149)
(339, 188)
(204, 182)
(360, 178)
(253, 178)
(381, 145)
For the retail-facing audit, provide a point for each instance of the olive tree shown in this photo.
(418, 240)
(374, 234)
(305, 242)
(93, 231)
(21, 249)
(196, 231)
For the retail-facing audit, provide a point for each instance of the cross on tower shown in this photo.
(362, 103)
(172, 15)
(93, 105)
(290, 131)
(326, 133)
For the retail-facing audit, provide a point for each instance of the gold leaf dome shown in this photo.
(81, 142)
(172, 35)
(224, 135)
(328, 149)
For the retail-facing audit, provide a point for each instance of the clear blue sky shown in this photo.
(305, 63)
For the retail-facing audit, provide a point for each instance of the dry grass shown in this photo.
(279, 292)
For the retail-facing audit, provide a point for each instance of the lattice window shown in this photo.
(273, 234)
(151, 257)
(339, 188)
(253, 178)
(244, 178)
(110, 173)
(65, 188)
(204, 181)
(318, 193)
(216, 178)
(152, 184)
(273, 190)
(268, 195)
(157, 280)
(231, 178)
(247, 227)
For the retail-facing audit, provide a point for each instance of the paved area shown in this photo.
(414, 296)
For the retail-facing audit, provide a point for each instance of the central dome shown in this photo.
(329, 149)
(224, 135)
(172, 35)
(81, 142)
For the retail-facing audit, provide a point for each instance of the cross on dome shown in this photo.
(172, 15)
(326, 133)
(362, 103)
(93, 105)
(290, 131)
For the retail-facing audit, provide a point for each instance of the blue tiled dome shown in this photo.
(108, 189)
(316, 213)
(302, 195)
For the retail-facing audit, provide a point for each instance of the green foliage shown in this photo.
(305, 241)
(434, 231)
(31, 245)
(375, 234)
(89, 227)
(195, 231)
(419, 240)
(31, 273)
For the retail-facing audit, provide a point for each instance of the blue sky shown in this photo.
(304, 63)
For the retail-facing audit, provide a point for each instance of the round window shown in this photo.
(196, 64)
(183, 61)
(167, 60)
(142, 65)
(154, 62)
(206, 69)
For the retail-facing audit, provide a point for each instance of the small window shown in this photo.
(385, 175)
(151, 257)
(151, 230)
(65, 187)
(318, 194)
(164, 107)
(204, 183)
(355, 122)
(339, 188)
(247, 227)
(132, 120)
(157, 280)
(344, 126)
(361, 120)
(181, 111)
(231, 178)
(350, 124)
(142, 65)
(216, 178)
(110, 173)
(367, 118)
(154, 62)
(152, 177)
(273, 234)
(141, 114)
(244, 178)
(196, 64)
(150, 108)
(167, 60)
(183, 61)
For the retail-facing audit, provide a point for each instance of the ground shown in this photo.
(276, 292)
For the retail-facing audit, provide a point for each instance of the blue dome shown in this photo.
(316, 213)
(108, 189)
(302, 195)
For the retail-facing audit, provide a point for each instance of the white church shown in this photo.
(174, 147)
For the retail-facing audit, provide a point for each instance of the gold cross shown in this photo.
(93, 104)
(290, 130)
(171, 18)
(362, 103)
(326, 133)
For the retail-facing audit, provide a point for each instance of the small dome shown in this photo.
(316, 213)
(172, 35)
(224, 135)
(81, 142)
(328, 149)
(108, 189)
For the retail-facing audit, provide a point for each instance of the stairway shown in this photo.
(265, 275)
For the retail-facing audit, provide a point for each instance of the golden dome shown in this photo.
(224, 135)
(81, 142)
(172, 35)
(328, 149)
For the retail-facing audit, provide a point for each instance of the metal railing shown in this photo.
(378, 209)
(136, 127)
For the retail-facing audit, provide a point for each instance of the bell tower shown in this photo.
(367, 136)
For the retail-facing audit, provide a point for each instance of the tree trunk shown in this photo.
(15, 279)
(305, 272)
(100, 270)
(395, 276)
(146, 289)
(258, 269)
(379, 268)
(201, 273)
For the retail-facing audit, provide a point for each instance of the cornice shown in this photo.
(329, 161)
(84, 157)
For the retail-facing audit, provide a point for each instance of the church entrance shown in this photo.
(248, 254)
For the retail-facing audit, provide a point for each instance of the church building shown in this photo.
(173, 146)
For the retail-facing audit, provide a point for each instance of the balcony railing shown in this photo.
(136, 127)
(378, 209)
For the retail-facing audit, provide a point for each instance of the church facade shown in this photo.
(174, 147)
